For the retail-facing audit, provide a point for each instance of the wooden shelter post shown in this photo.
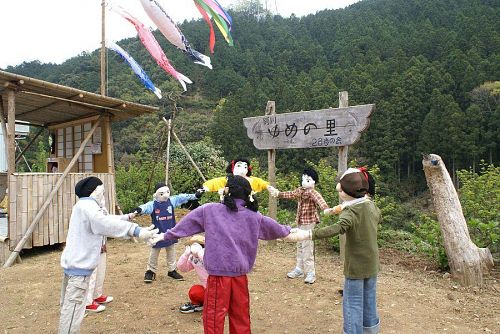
(271, 166)
(49, 198)
(5, 130)
(11, 132)
(342, 166)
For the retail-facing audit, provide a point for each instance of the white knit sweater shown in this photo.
(88, 225)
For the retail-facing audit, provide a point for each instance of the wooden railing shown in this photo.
(27, 193)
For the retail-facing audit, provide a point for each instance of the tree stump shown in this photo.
(467, 262)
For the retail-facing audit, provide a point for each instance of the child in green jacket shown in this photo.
(359, 221)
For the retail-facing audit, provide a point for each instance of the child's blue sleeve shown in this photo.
(180, 199)
(147, 208)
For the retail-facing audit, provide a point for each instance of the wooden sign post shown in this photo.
(338, 127)
(309, 129)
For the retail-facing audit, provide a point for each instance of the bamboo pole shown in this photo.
(4, 125)
(168, 151)
(11, 132)
(49, 198)
(187, 153)
(103, 48)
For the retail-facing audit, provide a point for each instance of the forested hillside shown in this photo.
(432, 67)
(423, 63)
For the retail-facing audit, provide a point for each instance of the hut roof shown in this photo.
(43, 103)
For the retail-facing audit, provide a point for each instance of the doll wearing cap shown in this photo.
(359, 222)
(89, 225)
(241, 167)
(192, 259)
(308, 200)
(161, 209)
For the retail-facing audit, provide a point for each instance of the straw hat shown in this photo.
(198, 238)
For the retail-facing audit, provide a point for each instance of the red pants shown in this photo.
(226, 295)
(197, 294)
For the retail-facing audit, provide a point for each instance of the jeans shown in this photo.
(360, 306)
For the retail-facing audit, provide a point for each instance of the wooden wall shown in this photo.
(28, 191)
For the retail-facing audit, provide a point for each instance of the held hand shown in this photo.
(147, 233)
(298, 235)
(196, 248)
(155, 239)
(199, 192)
(273, 191)
(131, 215)
(187, 251)
(333, 211)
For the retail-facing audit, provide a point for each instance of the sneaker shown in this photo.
(295, 273)
(95, 307)
(103, 299)
(310, 278)
(190, 308)
(149, 276)
(175, 275)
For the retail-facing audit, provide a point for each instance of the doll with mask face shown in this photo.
(241, 167)
(308, 200)
(161, 209)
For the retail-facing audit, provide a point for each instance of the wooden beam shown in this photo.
(187, 154)
(49, 198)
(342, 167)
(60, 100)
(93, 106)
(271, 166)
(29, 144)
(5, 131)
(11, 132)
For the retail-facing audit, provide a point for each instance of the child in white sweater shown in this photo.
(89, 225)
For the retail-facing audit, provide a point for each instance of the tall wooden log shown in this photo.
(342, 167)
(467, 262)
(271, 163)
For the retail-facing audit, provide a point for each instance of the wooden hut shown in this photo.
(79, 122)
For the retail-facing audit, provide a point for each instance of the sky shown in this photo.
(56, 30)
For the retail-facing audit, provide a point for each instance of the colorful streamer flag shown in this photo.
(172, 32)
(135, 67)
(153, 47)
(211, 9)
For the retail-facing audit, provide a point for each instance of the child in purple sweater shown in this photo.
(232, 230)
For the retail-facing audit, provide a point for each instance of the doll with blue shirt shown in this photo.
(161, 209)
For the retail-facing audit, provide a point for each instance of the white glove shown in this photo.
(333, 211)
(273, 191)
(298, 235)
(147, 233)
(196, 248)
(155, 239)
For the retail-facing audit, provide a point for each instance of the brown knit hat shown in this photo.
(354, 183)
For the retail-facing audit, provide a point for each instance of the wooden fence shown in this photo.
(27, 193)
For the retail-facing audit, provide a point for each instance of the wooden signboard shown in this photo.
(309, 129)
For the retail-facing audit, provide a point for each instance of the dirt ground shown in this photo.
(412, 297)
